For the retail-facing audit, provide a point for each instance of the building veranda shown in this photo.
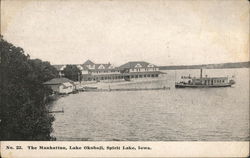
(133, 70)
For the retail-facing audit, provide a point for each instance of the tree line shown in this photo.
(72, 72)
(24, 99)
(24, 112)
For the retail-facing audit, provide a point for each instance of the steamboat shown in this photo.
(204, 82)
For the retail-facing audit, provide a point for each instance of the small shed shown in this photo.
(61, 85)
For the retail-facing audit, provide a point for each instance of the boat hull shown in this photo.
(201, 86)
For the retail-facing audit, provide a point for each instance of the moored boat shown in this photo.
(204, 82)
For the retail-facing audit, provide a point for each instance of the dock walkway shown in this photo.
(125, 89)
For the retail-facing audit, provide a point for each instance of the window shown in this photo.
(138, 65)
(111, 67)
(101, 67)
(150, 65)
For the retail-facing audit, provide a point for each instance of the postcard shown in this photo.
(134, 78)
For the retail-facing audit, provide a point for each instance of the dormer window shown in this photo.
(91, 66)
(101, 67)
(111, 67)
(150, 65)
(138, 65)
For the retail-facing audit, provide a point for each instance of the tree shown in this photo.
(72, 72)
(24, 113)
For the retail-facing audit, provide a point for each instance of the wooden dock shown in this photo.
(126, 89)
(57, 111)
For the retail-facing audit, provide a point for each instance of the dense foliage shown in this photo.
(23, 111)
(72, 72)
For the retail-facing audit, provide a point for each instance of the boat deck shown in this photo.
(177, 85)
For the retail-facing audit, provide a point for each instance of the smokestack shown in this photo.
(201, 74)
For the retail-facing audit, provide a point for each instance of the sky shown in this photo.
(162, 32)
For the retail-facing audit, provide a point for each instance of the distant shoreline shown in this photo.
(208, 66)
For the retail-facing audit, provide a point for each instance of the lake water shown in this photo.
(213, 114)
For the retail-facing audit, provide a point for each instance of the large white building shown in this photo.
(139, 69)
(131, 70)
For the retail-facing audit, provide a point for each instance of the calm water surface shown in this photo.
(176, 114)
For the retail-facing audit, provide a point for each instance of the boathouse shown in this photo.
(61, 85)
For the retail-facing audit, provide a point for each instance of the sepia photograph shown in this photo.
(124, 71)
